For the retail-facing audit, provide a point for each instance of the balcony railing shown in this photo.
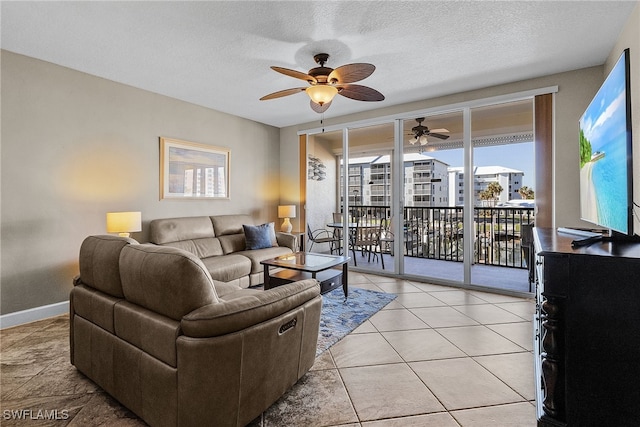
(437, 232)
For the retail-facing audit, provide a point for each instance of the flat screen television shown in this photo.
(606, 176)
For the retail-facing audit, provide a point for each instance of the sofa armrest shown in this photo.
(256, 306)
(287, 240)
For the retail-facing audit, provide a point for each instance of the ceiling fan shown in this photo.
(420, 133)
(325, 83)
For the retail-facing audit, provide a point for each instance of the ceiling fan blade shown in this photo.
(320, 108)
(360, 93)
(438, 135)
(440, 130)
(351, 73)
(296, 74)
(282, 93)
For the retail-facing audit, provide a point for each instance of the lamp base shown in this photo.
(286, 226)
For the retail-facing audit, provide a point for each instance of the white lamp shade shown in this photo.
(287, 211)
(124, 222)
(321, 94)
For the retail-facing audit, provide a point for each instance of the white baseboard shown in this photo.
(33, 314)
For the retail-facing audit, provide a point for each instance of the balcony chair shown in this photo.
(365, 238)
(338, 218)
(386, 238)
(322, 236)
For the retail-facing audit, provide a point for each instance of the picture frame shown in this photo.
(190, 170)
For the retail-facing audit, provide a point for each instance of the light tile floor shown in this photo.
(435, 356)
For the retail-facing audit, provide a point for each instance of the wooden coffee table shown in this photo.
(306, 265)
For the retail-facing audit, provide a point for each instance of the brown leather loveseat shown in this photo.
(150, 326)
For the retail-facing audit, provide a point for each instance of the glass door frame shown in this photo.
(398, 208)
(398, 201)
(396, 189)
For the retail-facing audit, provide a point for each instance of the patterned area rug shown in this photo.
(339, 317)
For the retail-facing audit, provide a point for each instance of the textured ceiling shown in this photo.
(218, 54)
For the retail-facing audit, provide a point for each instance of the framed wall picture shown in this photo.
(189, 170)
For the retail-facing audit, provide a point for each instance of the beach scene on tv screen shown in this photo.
(603, 154)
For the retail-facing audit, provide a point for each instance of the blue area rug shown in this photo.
(339, 317)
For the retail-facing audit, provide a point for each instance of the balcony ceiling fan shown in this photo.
(327, 82)
(421, 132)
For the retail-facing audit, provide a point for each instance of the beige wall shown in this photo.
(75, 146)
(321, 195)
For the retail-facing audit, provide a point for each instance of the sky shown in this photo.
(515, 156)
(604, 120)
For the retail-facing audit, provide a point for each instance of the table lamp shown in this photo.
(286, 212)
(124, 223)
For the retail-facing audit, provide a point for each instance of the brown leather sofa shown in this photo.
(149, 325)
(219, 241)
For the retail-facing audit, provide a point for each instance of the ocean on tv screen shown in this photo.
(609, 180)
(604, 143)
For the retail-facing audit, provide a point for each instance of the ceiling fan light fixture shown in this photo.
(413, 140)
(423, 140)
(327, 82)
(321, 93)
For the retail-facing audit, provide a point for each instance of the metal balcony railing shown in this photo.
(437, 232)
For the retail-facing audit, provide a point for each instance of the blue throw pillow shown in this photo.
(260, 236)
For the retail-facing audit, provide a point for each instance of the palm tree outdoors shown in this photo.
(492, 192)
(526, 193)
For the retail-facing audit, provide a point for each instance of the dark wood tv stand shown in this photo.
(587, 332)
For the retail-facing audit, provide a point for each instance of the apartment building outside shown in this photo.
(428, 182)
(509, 179)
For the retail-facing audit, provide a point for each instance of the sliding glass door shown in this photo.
(432, 228)
(442, 196)
(503, 193)
(469, 195)
(369, 176)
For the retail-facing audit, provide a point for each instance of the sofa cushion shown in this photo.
(202, 248)
(193, 234)
(167, 280)
(228, 267)
(167, 230)
(99, 263)
(233, 243)
(262, 254)
(260, 236)
(230, 224)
